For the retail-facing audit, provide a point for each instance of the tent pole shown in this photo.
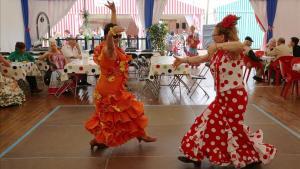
(84, 5)
(207, 9)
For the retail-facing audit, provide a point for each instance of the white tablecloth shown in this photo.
(78, 66)
(19, 70)
(268, 58)
(296, 67)
(42, 65)
(163, 65)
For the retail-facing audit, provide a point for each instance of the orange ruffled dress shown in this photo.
(119, 117)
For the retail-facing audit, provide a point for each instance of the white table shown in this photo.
(19, 70)
(42, 65)
(296, 64)
(163, 66)
(79, 66)
(268, 59)
(296, 67)
(82, 66)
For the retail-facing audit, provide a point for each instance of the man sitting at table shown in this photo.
(280, 50)
(296, 48)
(71, 50)
(271, 45)
(256, 62)
(20, 55)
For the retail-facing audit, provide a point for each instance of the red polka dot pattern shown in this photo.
(219, 133)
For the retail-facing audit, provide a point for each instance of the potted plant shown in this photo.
(87, 32)
(158, 33)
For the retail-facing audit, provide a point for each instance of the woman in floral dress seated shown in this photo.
(57, 63)
(118, 117)
(219, 133)
(10, 92)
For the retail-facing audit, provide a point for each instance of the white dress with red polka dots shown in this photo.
(219, 133)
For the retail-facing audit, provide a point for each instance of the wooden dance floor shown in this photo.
(59, 141)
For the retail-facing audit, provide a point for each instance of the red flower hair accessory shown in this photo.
(229, 21)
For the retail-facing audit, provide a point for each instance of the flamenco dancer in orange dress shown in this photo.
(118, 117)
(219, 133)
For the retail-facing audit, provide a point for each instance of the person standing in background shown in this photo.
(192, 43)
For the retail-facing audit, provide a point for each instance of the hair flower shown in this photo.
(230, 21)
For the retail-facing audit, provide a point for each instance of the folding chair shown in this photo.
(144, 67)
(134, 65)
(151, 85)
(198, 79)
(68, 85)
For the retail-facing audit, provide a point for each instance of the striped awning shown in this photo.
(73, 20)
(175, 7)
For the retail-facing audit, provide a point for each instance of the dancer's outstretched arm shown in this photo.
(234, 47)
(112, 7)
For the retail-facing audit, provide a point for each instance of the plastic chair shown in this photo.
(249, 65)
(259, 53)
(69, 85)
(275, 67)
(290, 77)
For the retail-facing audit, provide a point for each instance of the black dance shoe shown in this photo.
(186, 160)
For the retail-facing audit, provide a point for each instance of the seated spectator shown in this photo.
(57, 62)
(271, 45)
(20, 55)
(71, 50)
(280, 50)
(55, 57)
(257, 62)
(296, 48)
(10, 92)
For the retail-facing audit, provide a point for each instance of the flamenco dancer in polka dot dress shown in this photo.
(219, 133)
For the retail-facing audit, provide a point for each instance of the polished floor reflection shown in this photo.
(61, 142)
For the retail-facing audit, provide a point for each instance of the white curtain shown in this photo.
(158, 9)
(286, 22)
(193, 20)
(260, 10)
(11, 25)
(189, 19)
(141, 23)
(55, 10)
(141, 18)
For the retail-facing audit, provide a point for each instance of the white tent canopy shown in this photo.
(12, 30)
(286, 23)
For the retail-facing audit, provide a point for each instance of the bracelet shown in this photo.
(111, 30)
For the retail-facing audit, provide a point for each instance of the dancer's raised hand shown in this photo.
(111, 6)
(178, 61)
